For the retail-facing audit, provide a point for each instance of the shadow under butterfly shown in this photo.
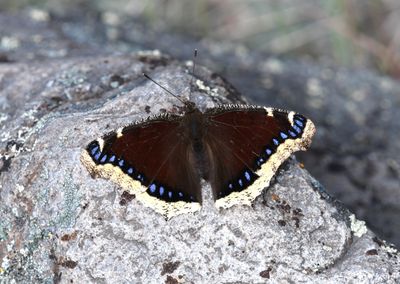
(236, 148)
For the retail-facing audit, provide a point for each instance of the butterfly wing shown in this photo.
(142, 158)
(246, 145)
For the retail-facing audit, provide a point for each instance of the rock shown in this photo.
(59, 224)
(355, 151)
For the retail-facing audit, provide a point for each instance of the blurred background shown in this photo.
(354, 33)
(337, 61)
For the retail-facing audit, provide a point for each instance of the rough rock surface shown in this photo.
(58, 224)
(355, 151)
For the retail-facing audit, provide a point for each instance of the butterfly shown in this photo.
(162, 159)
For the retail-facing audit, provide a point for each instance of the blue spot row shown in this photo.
(297, 129)
(299, 123)
(158, 190)
(241, 183)
(247, 175)
(94, 150)
(97, 156)
(101, 158)
(161, 192)
(292, 134)
(260, 161)
(263, 158)
(140, 177)
(283, 135)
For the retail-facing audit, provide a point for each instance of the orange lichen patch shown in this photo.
(275, 197)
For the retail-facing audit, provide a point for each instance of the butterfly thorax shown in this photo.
(194, 123)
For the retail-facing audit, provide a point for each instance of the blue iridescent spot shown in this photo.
(299, 123)
(291, 133)
(283, 135)
(240, 182)
(153, 188)
(139, 177)
(268, 151)
(97, 156)
(161, 190)
(180, 194)
(300, 118)
(247, 175)
(170, 194)
(297, 129)
(112, 159)
(103, 159)
(94, 150)
(130, 171)
(276, 142)
(121, 163)
(191, 198)
(230, 186)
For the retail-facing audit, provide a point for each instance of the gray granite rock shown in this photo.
(59, 224)
(355, 152)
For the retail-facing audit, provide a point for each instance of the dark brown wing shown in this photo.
(152, 160)
(246, 145)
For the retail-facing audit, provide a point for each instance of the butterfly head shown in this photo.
(190, 106)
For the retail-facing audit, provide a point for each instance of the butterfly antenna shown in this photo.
(194, 65)
(165, 89)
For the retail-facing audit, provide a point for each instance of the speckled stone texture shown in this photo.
(355, 151)
(59, 225)
(59, 90)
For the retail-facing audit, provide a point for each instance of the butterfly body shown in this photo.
(195, 126)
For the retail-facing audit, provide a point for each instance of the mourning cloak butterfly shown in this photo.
(237, 148)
